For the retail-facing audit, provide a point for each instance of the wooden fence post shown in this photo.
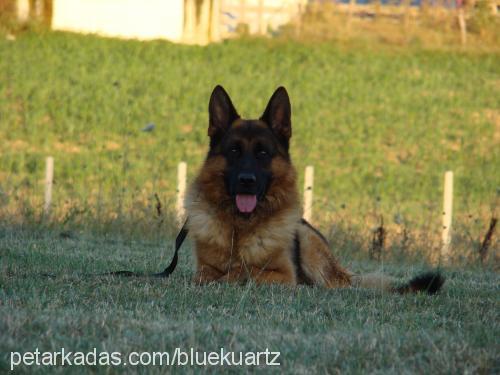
(447, 215)
(49, 180)
(308, 192)
(181, 191)
(463, 25)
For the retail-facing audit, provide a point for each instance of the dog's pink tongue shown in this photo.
(246, 203)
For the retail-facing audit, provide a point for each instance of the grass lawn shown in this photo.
(316, 330)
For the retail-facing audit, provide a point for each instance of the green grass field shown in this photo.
(380, 125)
(316, 330)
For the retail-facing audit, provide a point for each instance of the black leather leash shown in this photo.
(181, 236)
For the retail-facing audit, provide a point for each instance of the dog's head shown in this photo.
(251, 156)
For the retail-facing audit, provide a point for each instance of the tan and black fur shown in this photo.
(266, 241)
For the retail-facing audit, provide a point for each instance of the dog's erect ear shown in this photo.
(278, 115)
(221, 113)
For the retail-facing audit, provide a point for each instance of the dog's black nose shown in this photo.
(247, 178)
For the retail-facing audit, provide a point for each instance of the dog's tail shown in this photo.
(317, 265)
(429, 282)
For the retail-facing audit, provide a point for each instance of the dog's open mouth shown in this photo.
(246, 203)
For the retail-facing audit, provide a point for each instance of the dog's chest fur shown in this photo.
(232, 238)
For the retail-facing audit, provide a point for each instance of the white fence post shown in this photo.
(49, 180)
(181, 190)
(308, 192)
(447, 215)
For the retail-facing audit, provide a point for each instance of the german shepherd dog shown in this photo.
(244, 212)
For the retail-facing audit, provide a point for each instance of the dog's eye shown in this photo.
(234, 151)
(261, 154)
